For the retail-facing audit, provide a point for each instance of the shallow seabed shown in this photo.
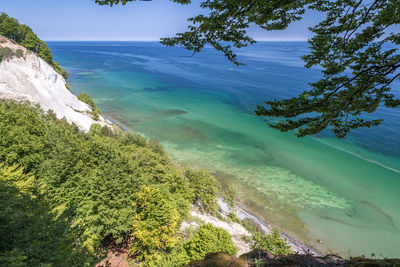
(345, 193)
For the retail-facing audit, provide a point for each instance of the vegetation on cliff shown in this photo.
(64, 191)
(262, 258)
(31, 234)
(272, 243)
(209, 238)
(86, 98)
(6, 53)
(96, 185)
(22, 34)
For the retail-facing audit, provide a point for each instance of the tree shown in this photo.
(272, 243)
(205, 188)
(9, 27)
(207, 239)
(31, 41)
(22, 34)
(96, 176)
(155, 222)
(356, 45)
(86, 98)
(30, 233)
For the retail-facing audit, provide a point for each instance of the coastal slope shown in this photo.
(26, 77)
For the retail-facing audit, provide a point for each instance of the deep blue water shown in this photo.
(201, 109)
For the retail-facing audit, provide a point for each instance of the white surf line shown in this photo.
(296, 245)
(359, 156)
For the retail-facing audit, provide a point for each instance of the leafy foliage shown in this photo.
(358, 52)
(356, 45)
(209, 238)
(90, 186)
(123, 2)
(205, 189)
(231, 195)
(86, 98)
(176, 256)
(233, 217)
(88, 182)
(22, 34)
(95, 176)
(6, 53)
(224, 28)
(155, 222)
(30, 233)
(272, 243)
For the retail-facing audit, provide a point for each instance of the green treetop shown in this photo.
(22, 34)
(155, 222)
(207, 239)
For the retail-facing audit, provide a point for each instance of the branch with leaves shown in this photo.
(356, 45)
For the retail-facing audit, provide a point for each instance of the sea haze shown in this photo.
(345, 193)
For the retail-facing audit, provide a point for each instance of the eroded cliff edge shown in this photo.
(26, 77)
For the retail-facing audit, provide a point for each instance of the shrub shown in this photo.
(233, 217)
(91, 180)
(86, 98)
(95, 176)
(205, 188)
(209, 238)
(106, 131)
(251, 225)
(19, 53)
(156, 147)
(30, 233)
(155, 222)
(22, 34)
(176, 256)
(96, 113)
(230, 196)
(5, 53)
(272, 243)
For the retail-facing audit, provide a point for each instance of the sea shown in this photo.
(337, 196)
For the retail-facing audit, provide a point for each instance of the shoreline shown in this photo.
(242, 212)
(116, 123)
(297, 246)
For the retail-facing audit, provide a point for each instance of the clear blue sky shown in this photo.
(84, 20)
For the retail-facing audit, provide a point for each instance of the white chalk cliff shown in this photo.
(30, 78)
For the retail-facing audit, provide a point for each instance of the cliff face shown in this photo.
(26, 77)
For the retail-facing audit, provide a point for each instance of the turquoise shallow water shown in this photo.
(343, 192)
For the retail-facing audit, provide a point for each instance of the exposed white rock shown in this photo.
(30, 78)
(237, 231)
(242, 214)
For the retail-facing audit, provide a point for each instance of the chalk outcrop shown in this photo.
(237, 231)
(27, 77)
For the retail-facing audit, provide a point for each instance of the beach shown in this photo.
(341, 192)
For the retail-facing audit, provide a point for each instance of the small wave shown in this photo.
(359, 156)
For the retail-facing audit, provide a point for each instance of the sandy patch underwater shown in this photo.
(345, 193)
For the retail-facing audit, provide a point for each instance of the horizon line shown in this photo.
(158, 40)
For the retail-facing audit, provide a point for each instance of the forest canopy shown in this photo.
(355, 44)
(64, 192)
(22, 34)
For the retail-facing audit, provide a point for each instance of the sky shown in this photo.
(83, 20)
